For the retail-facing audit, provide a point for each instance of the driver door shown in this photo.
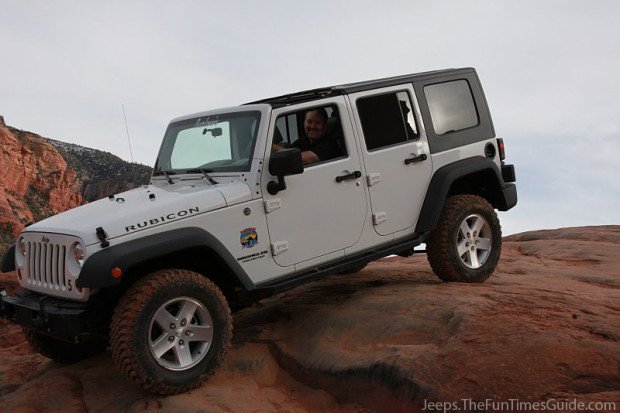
(316, 214)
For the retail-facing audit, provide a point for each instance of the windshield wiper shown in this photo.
(166, 174)
(205, 174)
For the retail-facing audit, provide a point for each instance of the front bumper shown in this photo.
(65, 320)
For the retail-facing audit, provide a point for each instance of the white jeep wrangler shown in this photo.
(227, 219)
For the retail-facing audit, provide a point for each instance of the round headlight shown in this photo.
(79, 253)
(22, 246)
(21, 251)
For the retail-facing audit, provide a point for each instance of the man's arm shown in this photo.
(325, 150)
(308, 157)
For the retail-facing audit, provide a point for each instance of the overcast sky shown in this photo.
(550, 70)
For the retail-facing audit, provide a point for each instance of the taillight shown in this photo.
(500, 148)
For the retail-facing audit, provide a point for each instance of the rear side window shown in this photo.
(451, 105)
(387, 119)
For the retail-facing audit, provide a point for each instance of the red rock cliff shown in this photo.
(40, 177)
(35, 180)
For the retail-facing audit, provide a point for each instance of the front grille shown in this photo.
(47, 265)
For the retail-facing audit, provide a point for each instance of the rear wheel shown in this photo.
(170, 331)
(63, 351)
(466, 244)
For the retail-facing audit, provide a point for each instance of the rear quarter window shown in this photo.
(451, 106)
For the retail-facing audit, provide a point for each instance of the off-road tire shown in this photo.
(442, 245)
(130, 330)
(63, 351)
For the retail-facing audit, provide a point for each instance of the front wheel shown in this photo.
(466, 244)
(170, 331)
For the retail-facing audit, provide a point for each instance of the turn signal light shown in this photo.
(116, 272)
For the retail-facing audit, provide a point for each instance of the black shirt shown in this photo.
(325, 148)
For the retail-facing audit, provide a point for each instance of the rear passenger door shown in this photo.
(395, 153)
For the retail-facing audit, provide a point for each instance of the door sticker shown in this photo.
(248, 238)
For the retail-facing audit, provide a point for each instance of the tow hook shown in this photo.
(41, 319)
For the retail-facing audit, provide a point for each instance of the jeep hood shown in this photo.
(141, 208)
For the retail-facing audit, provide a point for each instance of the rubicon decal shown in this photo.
(162, 219)
(248, 237)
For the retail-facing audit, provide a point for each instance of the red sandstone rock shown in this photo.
(546, 325)
(30, 165)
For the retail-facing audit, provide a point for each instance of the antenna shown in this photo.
(127, 130)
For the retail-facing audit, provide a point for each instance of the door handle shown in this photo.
(348, 177)
(418, 158)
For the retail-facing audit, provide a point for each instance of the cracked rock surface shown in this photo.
(545, 325)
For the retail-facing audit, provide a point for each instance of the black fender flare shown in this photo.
(97, 269)
(505, 195)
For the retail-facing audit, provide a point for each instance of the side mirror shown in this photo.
(286, 162)
(283, 163)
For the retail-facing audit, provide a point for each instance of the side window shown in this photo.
(452, 106)
(322, 135)
(287, 131)
(387, 119)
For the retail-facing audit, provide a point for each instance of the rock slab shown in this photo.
(392, 337)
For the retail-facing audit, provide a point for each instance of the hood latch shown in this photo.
(103, 237)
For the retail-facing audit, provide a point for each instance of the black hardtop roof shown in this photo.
(320, 93)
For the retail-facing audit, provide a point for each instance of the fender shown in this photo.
(96, 272)
(505, 195)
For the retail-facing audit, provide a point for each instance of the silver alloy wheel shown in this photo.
(180, 333)
(474, 240)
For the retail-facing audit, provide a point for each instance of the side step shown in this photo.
(403, 246)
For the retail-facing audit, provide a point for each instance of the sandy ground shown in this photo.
(392, 337)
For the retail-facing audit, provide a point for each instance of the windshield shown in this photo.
(222, 142)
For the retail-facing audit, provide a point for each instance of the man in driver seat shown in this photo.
(314, 145)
